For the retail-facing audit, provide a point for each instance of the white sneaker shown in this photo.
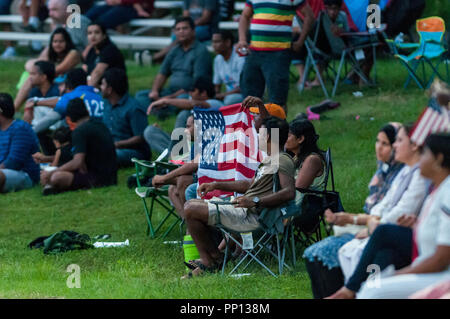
(9, 53)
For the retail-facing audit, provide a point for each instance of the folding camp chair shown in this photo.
(430, 48)
(307, 230)
(346, 49)
(156, 195)
(268, 239)
(310, 61)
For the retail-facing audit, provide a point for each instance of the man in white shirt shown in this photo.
(227, 68)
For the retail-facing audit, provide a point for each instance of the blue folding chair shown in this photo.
(430, 48)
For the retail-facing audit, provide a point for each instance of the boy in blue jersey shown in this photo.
(17, 144)
(75, 87)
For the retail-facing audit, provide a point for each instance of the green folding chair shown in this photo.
(155, 195)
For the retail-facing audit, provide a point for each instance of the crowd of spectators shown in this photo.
(80, 118)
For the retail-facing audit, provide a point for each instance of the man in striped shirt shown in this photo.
(269, 52)
(17, 143)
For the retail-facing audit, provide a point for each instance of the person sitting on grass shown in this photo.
(75, 87)
(186, 61)
(62, 139)
(339, 25)
(424, 241)
(100, 54)
(227, 68)
(17, 144)
(61, 52)
(201, 95)
(124, 117)
(94, 161)
(243, 214)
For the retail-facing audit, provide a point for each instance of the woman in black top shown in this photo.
(100, 54)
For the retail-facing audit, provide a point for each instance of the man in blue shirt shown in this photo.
(186, 61)
(42, 74)
(75, 87)
(17, 143)
(124, 117)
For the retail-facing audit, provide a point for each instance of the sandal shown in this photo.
(201, 269)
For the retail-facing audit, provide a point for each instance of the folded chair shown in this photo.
(306, 229)
(267, 238)
(429, 51)
(155, 195)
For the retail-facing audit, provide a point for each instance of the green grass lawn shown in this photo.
(150, 269)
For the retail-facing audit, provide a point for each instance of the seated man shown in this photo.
(94, 161)
(17, 144)
(201, 95)
(206, 16)
(258, 194)
(41, 76)
(75, 86)
(227, 68)
(339, 25)
(124, 117)
(186, 61)
(180, 178)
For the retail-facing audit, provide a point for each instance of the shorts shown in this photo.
(191, 191)
(82, 181)
(15, 180)
(232, 218)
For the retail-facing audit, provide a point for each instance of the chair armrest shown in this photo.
(407, 45)
(148, 164)
(169, 166)
(312, 191)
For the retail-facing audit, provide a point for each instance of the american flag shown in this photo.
(434, 118)
(229, 145)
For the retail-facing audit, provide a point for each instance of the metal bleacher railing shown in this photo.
(131, 41)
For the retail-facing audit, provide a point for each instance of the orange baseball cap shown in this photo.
(273, 109)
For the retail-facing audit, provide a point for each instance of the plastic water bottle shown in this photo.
(399, 38)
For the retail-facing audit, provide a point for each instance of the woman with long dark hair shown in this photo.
(309, 159)
(321, 258)
(424, 241)
(60, 51)
(100, 54)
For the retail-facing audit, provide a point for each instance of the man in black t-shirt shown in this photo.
(94, 155)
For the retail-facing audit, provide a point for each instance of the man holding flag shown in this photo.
(243, 212)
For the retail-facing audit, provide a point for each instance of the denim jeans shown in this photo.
(124, 156)
(233, 99)
(15, 180)
(156, 138)
(191, 192)
(112, 16)
(161, 113)
(269, 69)
(203, 33)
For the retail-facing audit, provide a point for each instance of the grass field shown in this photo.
(150, 269)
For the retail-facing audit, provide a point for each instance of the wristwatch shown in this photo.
(256, 200)
(35, 100)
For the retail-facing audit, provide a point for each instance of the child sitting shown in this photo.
(62, 139)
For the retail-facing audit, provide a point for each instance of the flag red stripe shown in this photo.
(247, 172)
